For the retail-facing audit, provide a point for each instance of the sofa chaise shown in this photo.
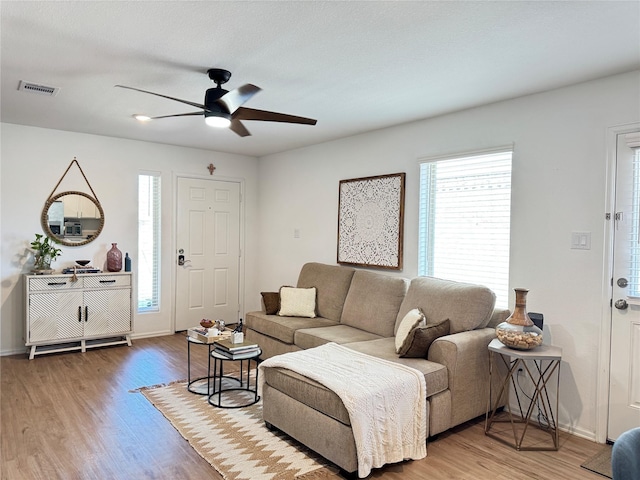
(364, 311)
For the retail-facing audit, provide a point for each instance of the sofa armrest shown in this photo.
(466, 356)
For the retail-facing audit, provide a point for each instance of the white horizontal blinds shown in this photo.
(148, 242)
(633, 141)
(465, 214)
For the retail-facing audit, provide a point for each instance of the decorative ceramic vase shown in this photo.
(114, 259)
(519, 331)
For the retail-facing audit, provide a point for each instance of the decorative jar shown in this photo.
(114, 259)
(519, 331)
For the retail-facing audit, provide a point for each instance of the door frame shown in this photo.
(174, 237)
(604, 360)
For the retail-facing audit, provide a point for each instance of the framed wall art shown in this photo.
(371, 221)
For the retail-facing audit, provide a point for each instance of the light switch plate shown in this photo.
(581, 240)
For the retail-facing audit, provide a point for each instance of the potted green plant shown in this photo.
(45, 252)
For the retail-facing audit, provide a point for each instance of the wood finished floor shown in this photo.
(77, 416)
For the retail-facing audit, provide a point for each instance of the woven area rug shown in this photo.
(235, 441)
(600, 463)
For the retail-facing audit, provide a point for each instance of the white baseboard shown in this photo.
(568, 428)
(160, 333)
(16, 351)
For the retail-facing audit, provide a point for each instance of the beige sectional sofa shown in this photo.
(362, 310)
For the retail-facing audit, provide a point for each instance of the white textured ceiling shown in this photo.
(354, 66)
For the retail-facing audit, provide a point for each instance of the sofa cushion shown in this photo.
(297, 302)
(332, 283)
(314, 337)
(499, 315)
(282, 328)
(421, 337)
(411, 320)
(306, 391)
(320, 398)
(373, 301)
(271, 301)
(467, 306)
(435, 374)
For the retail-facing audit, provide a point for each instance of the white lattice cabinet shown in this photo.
(64, 314)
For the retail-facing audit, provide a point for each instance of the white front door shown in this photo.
(624, 384)
(208, 251)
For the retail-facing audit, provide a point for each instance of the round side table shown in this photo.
(194, 385)
(247, 390)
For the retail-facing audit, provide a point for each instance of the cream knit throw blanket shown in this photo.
(386, 401)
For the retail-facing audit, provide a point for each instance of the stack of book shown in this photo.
(236, 351)
(79, 270)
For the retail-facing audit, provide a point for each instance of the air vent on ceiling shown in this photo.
(39, 89)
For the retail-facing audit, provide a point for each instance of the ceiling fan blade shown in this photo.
(233, 99)
(178, 115)
(237, 127)
(197, 105)
(243, 113)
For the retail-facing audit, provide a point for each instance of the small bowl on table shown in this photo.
(204, 323)
(83, 263)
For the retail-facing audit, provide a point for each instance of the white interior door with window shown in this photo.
(208, 251)
(624, 376)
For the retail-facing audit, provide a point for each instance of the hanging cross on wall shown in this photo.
(211, 168)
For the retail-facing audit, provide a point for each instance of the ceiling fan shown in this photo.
(223, 108)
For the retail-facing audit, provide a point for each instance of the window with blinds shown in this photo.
(634, 239)
(148, 242)
(465, 217)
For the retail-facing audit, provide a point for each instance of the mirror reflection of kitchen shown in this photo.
(74, 218)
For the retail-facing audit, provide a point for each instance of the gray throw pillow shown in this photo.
(420, 339)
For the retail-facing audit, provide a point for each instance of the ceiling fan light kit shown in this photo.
(217, 119)
(223, 108)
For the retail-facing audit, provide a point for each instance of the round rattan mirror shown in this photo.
(73, 218)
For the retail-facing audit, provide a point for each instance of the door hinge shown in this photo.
(607, 216)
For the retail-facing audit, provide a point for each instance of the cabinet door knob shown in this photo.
(79, 314)
(86, 313)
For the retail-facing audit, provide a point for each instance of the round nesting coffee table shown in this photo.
(245, 391)
(192, 384)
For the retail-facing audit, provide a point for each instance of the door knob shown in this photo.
(182, 261)
(621, 304)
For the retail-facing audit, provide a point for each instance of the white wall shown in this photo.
(32, 162)
(558, 187)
